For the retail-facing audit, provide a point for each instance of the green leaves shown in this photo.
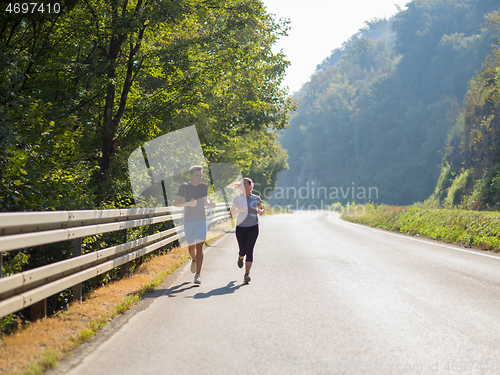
(15, 265)
(84, 89)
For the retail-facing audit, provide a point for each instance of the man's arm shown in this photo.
(209, 203)
(179, 202)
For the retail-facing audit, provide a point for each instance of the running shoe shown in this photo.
(240, 262)
(193, 266)
(197, 279)
(247, 278)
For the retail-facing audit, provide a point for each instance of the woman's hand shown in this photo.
(260, 209)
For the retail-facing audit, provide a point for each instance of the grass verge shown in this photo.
(478, 229)
(33, 349)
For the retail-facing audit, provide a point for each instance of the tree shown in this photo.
(106, 76)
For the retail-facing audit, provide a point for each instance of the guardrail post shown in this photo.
(1, 275)
(123, 267)
(169, 225)
(151, 231)
(39, 310)
(77, 251)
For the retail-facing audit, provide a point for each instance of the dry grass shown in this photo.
(38, 346)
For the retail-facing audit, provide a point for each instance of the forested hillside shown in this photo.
(83, 87)
(378, 111)
(470, 175)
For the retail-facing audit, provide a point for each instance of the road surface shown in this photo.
(326, 296)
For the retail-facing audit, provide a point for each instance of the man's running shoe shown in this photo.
(193, 266)
(240, 262)
(197, 279)
(247, 278)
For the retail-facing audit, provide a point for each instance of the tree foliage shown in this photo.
(85, 87)
(470, 175)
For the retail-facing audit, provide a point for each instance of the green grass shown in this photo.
(83, 335)
(478, 229)
(48, 361)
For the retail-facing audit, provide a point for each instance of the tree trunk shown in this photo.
(110, 123)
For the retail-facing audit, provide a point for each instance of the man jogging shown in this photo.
(193, 197)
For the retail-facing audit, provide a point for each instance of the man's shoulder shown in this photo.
(201, 184)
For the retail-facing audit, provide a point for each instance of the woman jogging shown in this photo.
(246, 206)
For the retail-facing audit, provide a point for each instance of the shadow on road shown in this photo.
(171, 292)
(228, 289)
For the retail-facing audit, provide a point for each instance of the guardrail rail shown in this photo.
(20, 230)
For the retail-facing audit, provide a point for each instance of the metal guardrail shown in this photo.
(24, 230)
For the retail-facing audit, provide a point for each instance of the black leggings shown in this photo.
(247, 236)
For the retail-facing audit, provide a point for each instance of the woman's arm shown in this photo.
(260, 208)
(235, 211)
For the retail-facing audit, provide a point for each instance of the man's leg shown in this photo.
(190, 238)
(199, 256)
(191, 249)
(191, 252)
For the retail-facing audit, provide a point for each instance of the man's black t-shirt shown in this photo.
(198, 192)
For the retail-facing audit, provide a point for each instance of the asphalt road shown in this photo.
(326, 296)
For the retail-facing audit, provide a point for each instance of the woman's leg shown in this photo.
(241, 238)
(251, 238)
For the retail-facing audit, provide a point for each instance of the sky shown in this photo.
(320, 26)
